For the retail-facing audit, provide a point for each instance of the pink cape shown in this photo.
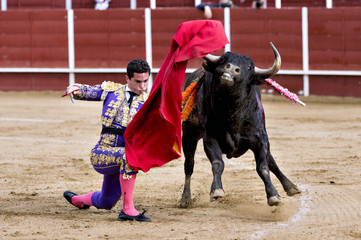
(153, 137)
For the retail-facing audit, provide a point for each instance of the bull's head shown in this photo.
(231, 71)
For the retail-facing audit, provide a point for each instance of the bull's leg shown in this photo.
(214, 154)
(290, 188)
(273, 198)
(191, 135)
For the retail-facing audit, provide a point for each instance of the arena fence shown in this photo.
(133, 4)
(319, 47)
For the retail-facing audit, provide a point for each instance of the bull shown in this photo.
(228, 115)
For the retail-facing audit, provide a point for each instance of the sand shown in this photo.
(45, 145)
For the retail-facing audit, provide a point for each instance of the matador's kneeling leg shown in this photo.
(79, 201)
(110, 193)
(105, 199)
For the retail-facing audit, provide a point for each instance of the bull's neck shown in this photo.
(235, 102)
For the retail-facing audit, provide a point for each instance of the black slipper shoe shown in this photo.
(68, 195)
(140, 218)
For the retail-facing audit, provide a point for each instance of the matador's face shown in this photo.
(138, 83)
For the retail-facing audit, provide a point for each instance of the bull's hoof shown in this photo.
(274, 201)
(218, 193)
(293, 190)
(185, 203)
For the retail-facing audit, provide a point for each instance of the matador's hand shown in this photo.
(70, 90)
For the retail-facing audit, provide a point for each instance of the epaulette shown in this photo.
(110, 86)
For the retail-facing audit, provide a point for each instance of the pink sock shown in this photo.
(127, 186)
(82, 200)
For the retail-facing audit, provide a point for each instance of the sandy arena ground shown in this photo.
(45, 144)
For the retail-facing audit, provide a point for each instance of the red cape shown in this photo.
(153, 137)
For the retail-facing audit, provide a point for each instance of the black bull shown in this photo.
(229, 116)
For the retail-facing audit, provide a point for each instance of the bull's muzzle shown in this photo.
(227, 79)
(229, 74)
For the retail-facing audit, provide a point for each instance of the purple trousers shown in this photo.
(110, 193)
(108, 158)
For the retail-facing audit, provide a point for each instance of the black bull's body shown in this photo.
(229, 116)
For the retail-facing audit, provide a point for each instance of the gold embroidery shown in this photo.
(104, 95)
(118, 109)
(110, 86)
(127, 176)
(113, 104)
(106, 121)
(105, 157)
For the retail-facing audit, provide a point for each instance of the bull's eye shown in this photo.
(249, 68)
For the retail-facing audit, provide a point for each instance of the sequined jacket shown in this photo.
(116, 111)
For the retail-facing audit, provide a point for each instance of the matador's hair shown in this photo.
(137, 66)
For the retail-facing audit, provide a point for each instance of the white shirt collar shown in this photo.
(127, 90)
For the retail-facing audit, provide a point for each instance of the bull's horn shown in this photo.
(211, 58)
(274, 69)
